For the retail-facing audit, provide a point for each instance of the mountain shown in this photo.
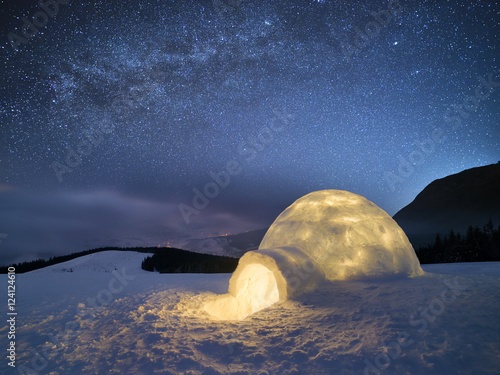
(470, 197)
(233, 245)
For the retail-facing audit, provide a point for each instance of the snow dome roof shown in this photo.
(346, 234)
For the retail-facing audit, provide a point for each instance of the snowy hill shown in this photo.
(109, 316)
(105, 261)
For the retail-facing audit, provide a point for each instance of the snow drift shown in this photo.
(328, 234)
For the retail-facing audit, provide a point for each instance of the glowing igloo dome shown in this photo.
(346, 234)
(328, 234)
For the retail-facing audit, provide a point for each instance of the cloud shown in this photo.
(7, 187)
(44, 225)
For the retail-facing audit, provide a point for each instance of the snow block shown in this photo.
(293, 271)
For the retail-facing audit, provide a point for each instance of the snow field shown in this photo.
(155, 323)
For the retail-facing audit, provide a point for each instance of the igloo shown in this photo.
(325, 235)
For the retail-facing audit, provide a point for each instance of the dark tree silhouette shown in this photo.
(477, 246)
(172, 260)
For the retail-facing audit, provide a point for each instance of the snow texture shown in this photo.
(347, 235)
(330, 234)
(445, 322)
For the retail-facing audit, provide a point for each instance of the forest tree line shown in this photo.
(477, 245)
(181, 261)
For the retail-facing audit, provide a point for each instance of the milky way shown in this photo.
(148, 100)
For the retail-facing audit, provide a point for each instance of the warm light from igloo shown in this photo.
(325, 235)
(347, 235)
(256, 289)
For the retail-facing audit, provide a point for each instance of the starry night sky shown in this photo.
(114, 111)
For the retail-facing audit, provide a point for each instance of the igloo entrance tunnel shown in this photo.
(325, 235)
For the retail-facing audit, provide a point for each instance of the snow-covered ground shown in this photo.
(101, 314)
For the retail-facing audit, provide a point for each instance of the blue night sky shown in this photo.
(115, 115)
